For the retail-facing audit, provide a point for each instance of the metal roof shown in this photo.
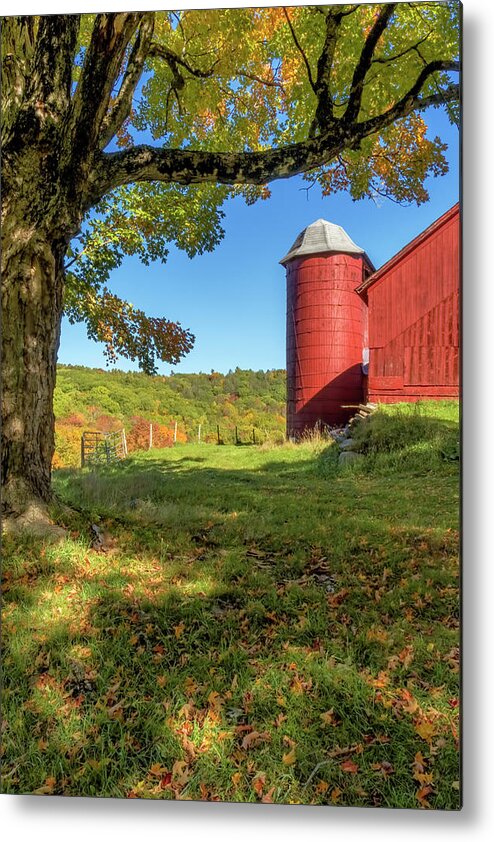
(322, 236)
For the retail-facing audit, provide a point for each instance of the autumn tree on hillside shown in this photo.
(228, 100)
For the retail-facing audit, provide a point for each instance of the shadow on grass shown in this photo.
(235, 600)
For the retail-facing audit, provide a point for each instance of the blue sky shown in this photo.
(233, 299)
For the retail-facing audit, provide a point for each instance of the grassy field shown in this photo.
(251, 624)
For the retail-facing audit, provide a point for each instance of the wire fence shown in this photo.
(98, 447)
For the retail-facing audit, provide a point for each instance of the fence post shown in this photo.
(124, 440)
(199, 433)
(175, 434)
(150, 436)
(253, 435)
(236, 435)
(82, 450)
(218, 432)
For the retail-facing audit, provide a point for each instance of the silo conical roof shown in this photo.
(322, 236)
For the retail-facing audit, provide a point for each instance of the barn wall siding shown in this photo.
(413, 312)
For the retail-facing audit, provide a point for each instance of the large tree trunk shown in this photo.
(32, 292)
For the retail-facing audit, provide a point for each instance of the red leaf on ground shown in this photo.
(349, 766)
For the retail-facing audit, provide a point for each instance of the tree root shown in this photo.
(33, 521)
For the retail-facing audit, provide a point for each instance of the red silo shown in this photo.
(326, 327)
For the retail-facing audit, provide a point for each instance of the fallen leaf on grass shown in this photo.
(337, 598)
(328, 718)
(289, 758)
(215, 701)
(377, 635)
(425, 729)
(267, 798)
(419, 773)
(179, 630)
(336, 794)
(255, 738)
(47, 788)
(409, 704)
(452, 658)
(190, 686)
(180, 773)
(166, 780)
(158, 770)
(355, 748)
(258, 785)
(349, 766)
(322, 787)
(421, 795)
(385, 767)
(382, 680)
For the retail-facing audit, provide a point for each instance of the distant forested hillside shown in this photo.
(94, 399)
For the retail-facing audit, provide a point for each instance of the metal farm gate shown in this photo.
(99, 448)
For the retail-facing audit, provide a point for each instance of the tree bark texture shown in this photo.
(32, 298)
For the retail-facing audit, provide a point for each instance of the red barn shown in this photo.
(357, 334)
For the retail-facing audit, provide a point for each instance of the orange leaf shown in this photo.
(268, 797)
(258, 784)
(157, 769)
(47, 788)
(349, 766)
(322, 786)
(289, 758)
(421, 795)
(335, 794)
(254, 738)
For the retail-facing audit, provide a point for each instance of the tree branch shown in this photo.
(175, 61)
(324, 110)
(299, 48)
(101, 68)
(273, 83)
(411, 101)
(184, 166)
(365, 61)
(396, 56)
(123, 103)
